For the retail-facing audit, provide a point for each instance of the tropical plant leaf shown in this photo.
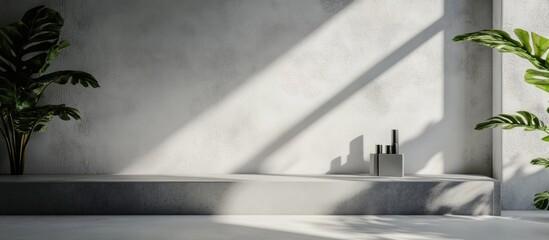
(541, 200)
(541, 44)
(7, 93)
(27, 48)
(63, 77)
(74, 77)
(527, 120)
(541, 161)
(52, 55)
(502, 41)
(524, 38)
(532, 47)
(36, 118)
(28, 43)
(537, 78)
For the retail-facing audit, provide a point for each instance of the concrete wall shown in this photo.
(520, 179)
(267, 86)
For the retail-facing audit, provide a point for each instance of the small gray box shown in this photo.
(374, 159)
(390, 165)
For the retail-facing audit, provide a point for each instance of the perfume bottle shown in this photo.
(374, 159)
(390, 163)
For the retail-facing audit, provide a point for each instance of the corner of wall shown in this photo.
(497, 94)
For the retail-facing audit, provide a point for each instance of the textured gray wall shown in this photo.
(267, 86)
(520, 179)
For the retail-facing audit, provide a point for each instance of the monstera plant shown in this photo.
(27, 48)
(532, 47)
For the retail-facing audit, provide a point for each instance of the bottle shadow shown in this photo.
(355, 159)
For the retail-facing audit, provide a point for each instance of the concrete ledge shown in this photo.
(249, 194)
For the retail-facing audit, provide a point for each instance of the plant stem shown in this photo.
(9, 144)
(17, 143)
(18, 153)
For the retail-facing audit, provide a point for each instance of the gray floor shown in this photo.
(512, 225)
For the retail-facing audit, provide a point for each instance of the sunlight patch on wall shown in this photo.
(234, 130)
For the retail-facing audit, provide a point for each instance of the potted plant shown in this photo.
(532, 47)
(27, 48)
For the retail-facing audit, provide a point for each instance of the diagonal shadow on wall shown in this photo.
(461, 102)
(159, 67)
(450, 118)
(254, 164)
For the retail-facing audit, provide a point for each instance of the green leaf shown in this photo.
(541, 200)
(40, 47)
(27, 48)
(502, 41)
(524, 38)
(511, 118)
(541, 161)
(529, 129)
(52, 55)
(538, 123)
(29, 45)
(537, 78)
(546, 138)
(40, 128)
(525, 119)
(36, 118)
(527, 116)
(63, 77)
(541, 44)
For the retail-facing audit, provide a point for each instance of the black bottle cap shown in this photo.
(394, 136)
(379, 149)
